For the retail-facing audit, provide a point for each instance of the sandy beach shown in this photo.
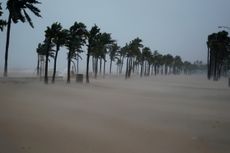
(162, 114)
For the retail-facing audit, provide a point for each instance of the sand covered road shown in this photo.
(177, 114)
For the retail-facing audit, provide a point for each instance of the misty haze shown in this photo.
(112, 76)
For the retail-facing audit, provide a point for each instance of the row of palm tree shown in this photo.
(99, 46)
(218, 59)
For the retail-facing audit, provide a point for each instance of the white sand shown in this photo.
(169, 114)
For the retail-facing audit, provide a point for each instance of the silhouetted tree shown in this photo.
(177, 65)
(59, 39)
(41, 54)
(92, 41)
(218, 52)
(145, 56)
(17, 12)
(113, 53)
(3, 23)
(75, 40)
(49, 35)
(133, 51)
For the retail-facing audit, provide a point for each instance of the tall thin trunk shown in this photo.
(38, 65)
(93, 64)
(77, 65)
(100, 65)
(130, 67)
(46, 67)
(7, 46)
(55, 64)
(149, 68)
(96, 68)
(122, 63)
(68, 67)
(142, 65)
(104, 68)
(87, 66)
(110, 67)
(127, 68)
(208, 64)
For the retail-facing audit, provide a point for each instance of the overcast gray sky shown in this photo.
(178, 27)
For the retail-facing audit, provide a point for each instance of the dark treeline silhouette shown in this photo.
(137, 59)
(218, 58)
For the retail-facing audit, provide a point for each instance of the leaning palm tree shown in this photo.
(3, 23)
(104, 42)
(17, 12)
(92, 41)
(41, 54)
(113, 53)
(133, 51)
(146, 52)
(76, 38)
(59, 40)
(49, 35)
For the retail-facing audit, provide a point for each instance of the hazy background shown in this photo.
(178, 27)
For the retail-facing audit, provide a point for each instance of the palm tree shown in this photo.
(41, 54)
(113, 53)
(59, 39)
(168, 61)
(17, 12)
(75, 40)
(103, 42)
(92, 37)
(133, 51)
(38, 50)
(145, 55)
(177, 64)
(218, 52)
(155, 62)
(122, 53)
(3, 23)
(49, 35)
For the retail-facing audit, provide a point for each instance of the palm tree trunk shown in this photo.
(110, 67)
(46, 67)
(100, 65)
(96, 68)
(7, 46)
(104, 68)
(142, 65)
(87, 66)
(122, 63)
(68, 68)
(208, 63)
(77, 65)
(38, 66)
(55, 64)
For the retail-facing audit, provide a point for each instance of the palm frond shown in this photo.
(33, 9)
(28, 19)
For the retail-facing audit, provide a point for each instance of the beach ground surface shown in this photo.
(161, 114)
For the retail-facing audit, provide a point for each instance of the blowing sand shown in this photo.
(164, 114)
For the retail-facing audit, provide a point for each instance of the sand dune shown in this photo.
(169, 114)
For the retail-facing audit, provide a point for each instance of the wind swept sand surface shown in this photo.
(169, 114)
